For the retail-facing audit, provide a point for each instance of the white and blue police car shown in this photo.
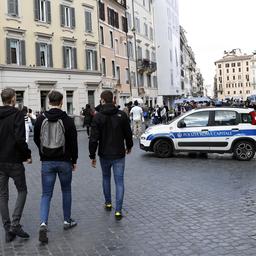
(209, 130)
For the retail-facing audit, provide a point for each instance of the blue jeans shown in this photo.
(50, 169)
(118, 170)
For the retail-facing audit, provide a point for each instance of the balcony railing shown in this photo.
(145, 65)
(121, 2)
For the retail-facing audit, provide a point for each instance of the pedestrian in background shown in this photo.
(111, 134)
(13, 152)
(136, 114)
(88, 115)
(56, 138)
(25, 113)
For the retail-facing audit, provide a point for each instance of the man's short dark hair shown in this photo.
(107, 96)
(7, 95)
(136, 103)
(55, 98)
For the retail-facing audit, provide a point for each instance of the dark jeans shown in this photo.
(50, 169)
(17, 173)
(118, 170)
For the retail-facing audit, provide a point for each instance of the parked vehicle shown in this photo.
(210, 130)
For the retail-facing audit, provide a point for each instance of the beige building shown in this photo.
(50, 44)
(233, 75)
(113, 49)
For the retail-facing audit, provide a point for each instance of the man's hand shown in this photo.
(29, 161)
(74, 167)
(94, 163)
(128, 151)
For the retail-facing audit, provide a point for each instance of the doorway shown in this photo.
(44, 100)
(91, 98)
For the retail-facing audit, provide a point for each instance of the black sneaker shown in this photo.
(69, 224)
(9, 237)
(43, 234)
(118, 215)
(18, 231)
(108, 207)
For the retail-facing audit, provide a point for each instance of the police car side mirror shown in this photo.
(181, 124)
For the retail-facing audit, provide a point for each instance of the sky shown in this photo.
(213, 26)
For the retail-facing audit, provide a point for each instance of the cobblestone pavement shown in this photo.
(178, 206)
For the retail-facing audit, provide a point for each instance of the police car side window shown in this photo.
(225, 117)
(198, 119)
(246, 118)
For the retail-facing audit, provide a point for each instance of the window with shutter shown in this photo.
(102, 11)
(42, 10)
(125, 25)
(88, 21)
(13, 9)
(15, 51)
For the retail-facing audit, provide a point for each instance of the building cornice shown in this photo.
(16, 30)
(44, 34)
(48, 70)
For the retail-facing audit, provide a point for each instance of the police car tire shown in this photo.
(163, 148)
(244, 150)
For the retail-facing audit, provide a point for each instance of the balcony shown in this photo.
(145, 65)
(121, 2)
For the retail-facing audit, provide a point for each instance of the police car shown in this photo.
(210, 130)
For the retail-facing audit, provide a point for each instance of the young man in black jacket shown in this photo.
(55, 127)
(111, 131)
(13, 152)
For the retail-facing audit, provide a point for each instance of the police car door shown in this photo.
(192, 132)
(224, 128)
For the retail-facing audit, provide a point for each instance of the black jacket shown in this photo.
(110, 128)
(13, 146)
(71, 149)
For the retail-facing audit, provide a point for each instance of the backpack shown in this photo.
(52, 138)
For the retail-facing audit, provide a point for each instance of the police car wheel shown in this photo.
(244, 150)
(163, 148)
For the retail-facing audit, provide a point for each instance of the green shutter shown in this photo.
(88, 21)
(13, 7)
(64, 57)
(50, 57)
(73, 17)
(36, 9)
(87, 60)
(48, 12)
(74, 58)
(8, 51)
(38, 62)
(62, 15)
(23, 52)
(95, 60)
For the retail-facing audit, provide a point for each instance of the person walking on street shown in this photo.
(111, 133)
(88, 115)
(137, 118)
(56, 138)
(13, 152)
